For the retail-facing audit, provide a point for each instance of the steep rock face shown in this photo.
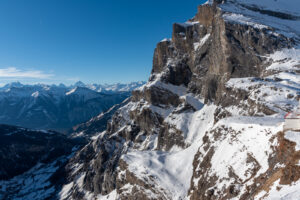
(207, 125)
(209, 51)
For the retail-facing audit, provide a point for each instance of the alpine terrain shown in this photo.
(209, 123)
(58, 107)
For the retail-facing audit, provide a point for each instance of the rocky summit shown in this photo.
(209, 122)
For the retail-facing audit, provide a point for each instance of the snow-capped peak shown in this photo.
(35, 94)
(79, 84)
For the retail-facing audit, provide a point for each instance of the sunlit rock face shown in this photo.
(209, 122)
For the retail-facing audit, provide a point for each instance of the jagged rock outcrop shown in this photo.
(208, 124)
(215, 89)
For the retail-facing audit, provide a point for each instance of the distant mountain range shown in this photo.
(104, 88)
(58, 107)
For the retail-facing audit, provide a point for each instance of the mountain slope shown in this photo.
(55, 107)
(208, 124)
(97, 124)
(29, 161)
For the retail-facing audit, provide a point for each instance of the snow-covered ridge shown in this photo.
(281, 15)
(105, 88)
(172, 142)
(58, 107)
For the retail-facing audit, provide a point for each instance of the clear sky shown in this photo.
(95, 41)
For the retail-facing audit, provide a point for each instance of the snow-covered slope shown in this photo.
(209, 122)
(29, 160)
(281, 15)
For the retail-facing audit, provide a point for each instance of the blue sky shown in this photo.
(95, 41)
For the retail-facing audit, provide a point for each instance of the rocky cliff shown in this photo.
(208, 124)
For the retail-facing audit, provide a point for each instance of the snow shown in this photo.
(19, 90)
(71, 91)
(84, 93)
(33, 184)
(172, 171)
(66, 191)
(196, 102)
(210, 2)
(87, 93)
(188, 23)
(111, 196)
(271, 92)
(191, 122)
(250, 135)
(245, 142)
(35, 94)
(161, 111)
(118, 87)
(241, 11)
(78, 183)
(285, 6)
(285, 192)
(179, 90)
(203, 40)
(293, 136)
(166, 40)
(242, 20)
(285, 60)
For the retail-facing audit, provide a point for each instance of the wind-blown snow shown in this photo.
(242, 20)
(259, 14)
(172, 171)
(284, 60)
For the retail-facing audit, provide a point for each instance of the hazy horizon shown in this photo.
(57, 84)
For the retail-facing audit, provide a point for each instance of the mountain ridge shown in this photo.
(57, 107)
(209, 122)
(117, 87)
(198, 128)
